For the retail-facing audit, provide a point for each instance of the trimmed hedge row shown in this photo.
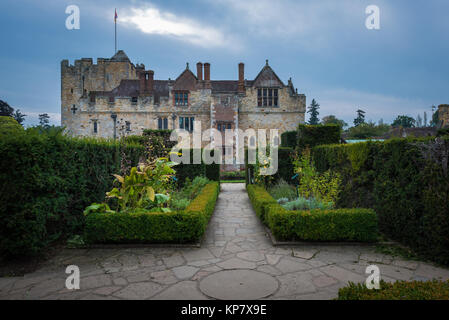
(47, 180)
(400, 290)
(314, 225)
(404, 180)
(260, 199)
(154, 227)
(323, 225)
(310, 136)
(289, 139)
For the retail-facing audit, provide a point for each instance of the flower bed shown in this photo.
(143, 226)
(400, 290)
(313, 225)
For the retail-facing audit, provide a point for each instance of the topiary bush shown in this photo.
(310, 136)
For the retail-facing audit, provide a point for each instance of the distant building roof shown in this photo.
(120, 56)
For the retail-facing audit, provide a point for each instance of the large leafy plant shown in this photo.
(145, 187)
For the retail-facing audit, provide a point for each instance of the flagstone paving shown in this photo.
(236, 261)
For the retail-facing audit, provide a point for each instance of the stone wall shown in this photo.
(443, 114)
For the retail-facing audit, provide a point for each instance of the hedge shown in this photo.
(260, 200)
(47, 180)
(310, 136)
(405, 181)
(400, 290)
(289, 139)
(313, 225)
(154, 227)
(210, 171)
(323, 225)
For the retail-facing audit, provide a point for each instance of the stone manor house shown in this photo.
(115, 97)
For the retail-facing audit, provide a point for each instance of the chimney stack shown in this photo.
(241, 84)
(150, 81)
(207, 75)
(199, 71)
(146, 81)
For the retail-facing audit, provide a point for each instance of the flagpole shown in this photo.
(115, 27)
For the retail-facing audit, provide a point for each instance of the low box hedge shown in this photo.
(313, 225)
(322, 225)
(400, 290)
(154, 227)
(260, 200)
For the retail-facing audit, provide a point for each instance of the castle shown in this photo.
(115, 97)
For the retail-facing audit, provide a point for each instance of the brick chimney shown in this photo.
(146, 81)
(207, 75)
(150, 81)
(241, 85)
(199, 71)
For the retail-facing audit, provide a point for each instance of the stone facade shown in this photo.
(443, 115)
(115, 97)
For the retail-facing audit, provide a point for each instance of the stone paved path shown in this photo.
(236, 260)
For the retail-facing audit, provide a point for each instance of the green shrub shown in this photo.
(282, 190)
(404, 180)
(400, 290)
(313, 135)
(289, 139)
(47, 180)
(322, 225)
(259, 198)
(141, 226)
(10, 126)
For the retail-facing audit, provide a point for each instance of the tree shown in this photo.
(6, 109)
(368, 130)
(313, 110)
(331, 119)
(360, 118)
(44, 120)
(419, 121)
(19, 116)
(435, 119)
(425, 119)
(404, 121)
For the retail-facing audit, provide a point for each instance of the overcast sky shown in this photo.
(324, 46)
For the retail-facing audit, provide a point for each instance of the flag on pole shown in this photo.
(115, 17)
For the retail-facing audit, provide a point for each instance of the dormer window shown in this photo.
(134, 100)
(267, 97)
(181, 98)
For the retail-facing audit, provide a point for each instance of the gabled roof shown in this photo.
(185, 81)
(267, 78)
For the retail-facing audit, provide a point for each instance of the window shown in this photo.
(111, 99)
(181, 98)
(134, 100)
(186, 123)
(162, 123)
(267, 97)
(71, 90)
(95, 126)
(222, 127)
(128, 125)
(92, 98)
